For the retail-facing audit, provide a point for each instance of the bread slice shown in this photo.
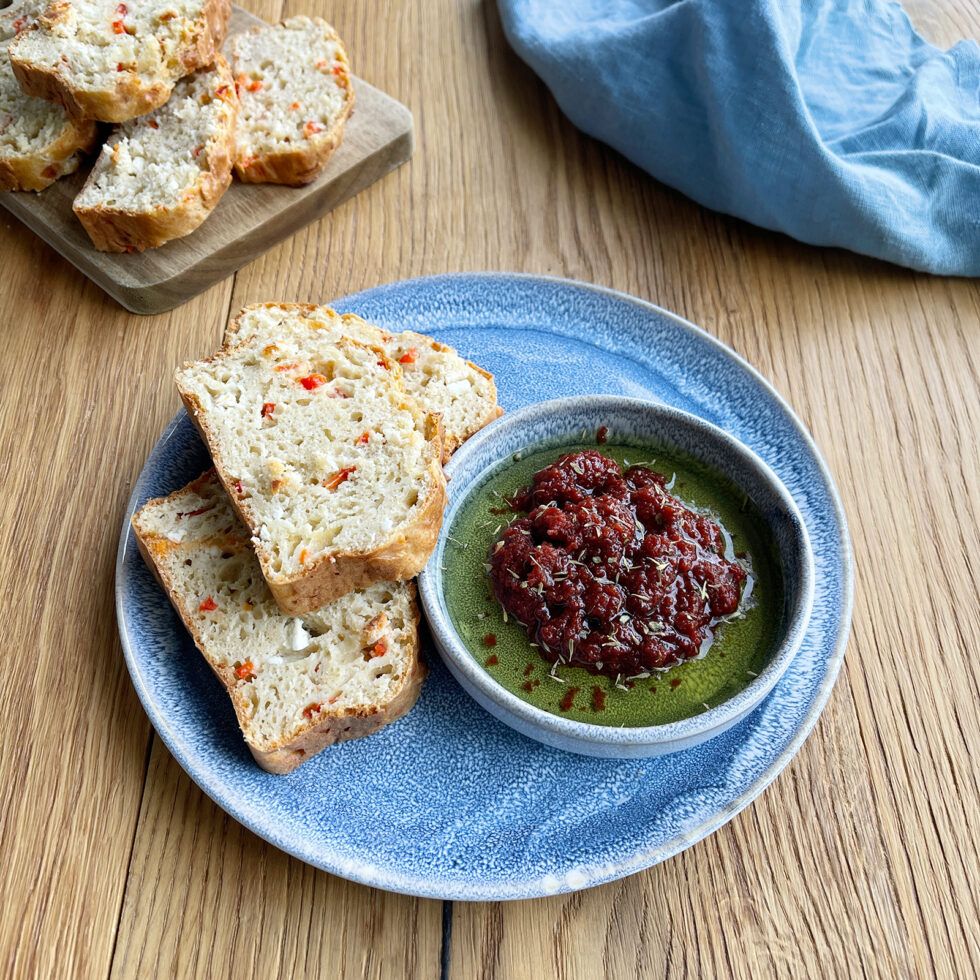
(102, 59)
(296, 95)
(463, 394)
(333, 468)
(19, 15)
(297, 684)
(158, 177)
(39, 141)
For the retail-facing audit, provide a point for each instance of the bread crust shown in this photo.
(303, 164)
(343, 726)
(400, 558)
(116, 229)
(205, 44)
(61, 157)
(328, 727)
(131, 95)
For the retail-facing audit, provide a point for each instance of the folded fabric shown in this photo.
(831, 121)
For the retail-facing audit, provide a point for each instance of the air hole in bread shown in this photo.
(230, 572)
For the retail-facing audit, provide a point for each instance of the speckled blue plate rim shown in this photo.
(431, 887)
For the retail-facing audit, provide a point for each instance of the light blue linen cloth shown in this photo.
(831, 121)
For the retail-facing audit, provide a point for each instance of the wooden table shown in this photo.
(861, 858)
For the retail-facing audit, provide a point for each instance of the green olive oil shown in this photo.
(740, 650)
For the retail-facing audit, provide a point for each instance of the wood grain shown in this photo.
(248, 220)
(860, 860)
(206, 897)
(74, 378)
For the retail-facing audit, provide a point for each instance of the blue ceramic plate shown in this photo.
(449, 802)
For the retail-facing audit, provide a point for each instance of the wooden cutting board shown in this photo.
(248, 220)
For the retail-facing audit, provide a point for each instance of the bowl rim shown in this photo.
(685, 731)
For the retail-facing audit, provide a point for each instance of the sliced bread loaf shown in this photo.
(296, 95)
(102, 59)
(39, 141)
(333, 468)
(463, 394)
(158, 177)
(297, 684)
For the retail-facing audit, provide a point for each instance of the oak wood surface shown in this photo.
(860, 860)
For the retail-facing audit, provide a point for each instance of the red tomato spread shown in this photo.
(607, 570)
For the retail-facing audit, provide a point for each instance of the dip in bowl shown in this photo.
(682, 664)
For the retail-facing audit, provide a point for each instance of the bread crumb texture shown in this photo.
(325, 452)
(286, 674)
(463, 395)
(296, 93)
(158, 177)
(151, 161)
(18, 15)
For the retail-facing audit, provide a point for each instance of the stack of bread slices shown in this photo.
(290, 562)
(185, 117)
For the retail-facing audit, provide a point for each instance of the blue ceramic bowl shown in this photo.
(554, 424)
